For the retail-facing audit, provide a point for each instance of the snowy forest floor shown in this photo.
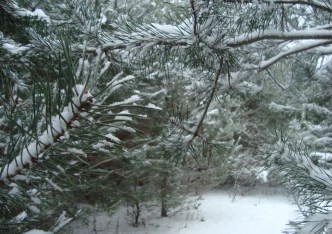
(262, 210)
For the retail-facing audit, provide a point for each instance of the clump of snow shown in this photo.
(130, 100)
(105, 68)
(38, 13)
(20, 217)
(63, 221)
(153, 106)
(117, 82)
(113, 138)
(214, 112)
(322, 155)
(34, 209)
(76, 151)
(14, 189)
(281, 108)
(263, 175)
(35, 231)
(323, 141)
(123, 115)
(14, 48)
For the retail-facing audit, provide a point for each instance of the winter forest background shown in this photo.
(122, 102)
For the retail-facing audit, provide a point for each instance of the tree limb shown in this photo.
(250, 38)
(296, 49)
(60, 124)
(313, 4)
(194, 13)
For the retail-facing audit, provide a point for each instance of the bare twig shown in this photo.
(295, 50)
(246, 39)
(275, 81)
(194, 13)
(213, 91)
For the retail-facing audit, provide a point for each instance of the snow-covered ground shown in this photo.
(258, 212)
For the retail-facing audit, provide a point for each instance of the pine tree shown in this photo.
(61, 108)
(66, 71)
(303, 155)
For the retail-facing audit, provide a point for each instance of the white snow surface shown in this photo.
(259, 212)
(35, 231)
(40, 14)
(14, 48)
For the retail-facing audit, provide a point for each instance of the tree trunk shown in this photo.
(137, 213)
(163, 194)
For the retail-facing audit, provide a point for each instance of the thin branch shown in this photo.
(161, 41)
(229, 76)
(213, 91)
(283, 17)
(296, 49)
(275, 81)
(194, 13)
(291, 2)
(250, 38)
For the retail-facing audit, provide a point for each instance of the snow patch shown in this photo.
(260, 212)
(153, 106)
(36, 231)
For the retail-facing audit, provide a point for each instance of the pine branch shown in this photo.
(295, 50)
(322, 36)
(59, 125)
(311, 3)
(250, 38)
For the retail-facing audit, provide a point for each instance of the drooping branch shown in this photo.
(275, 81)
(310, 3)
(59, 125)
(296, 49)
(250, 38)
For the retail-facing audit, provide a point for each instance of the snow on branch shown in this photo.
(132, 35)
(58, 127)
(298, 158)
(281, 108)
(312, 3)
(249, 38)
(317, 222)
(309, 107)
(293, 50)
(317, 109)
(141, 38)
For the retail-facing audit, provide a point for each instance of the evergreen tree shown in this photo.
(66, 69)
(303, 154)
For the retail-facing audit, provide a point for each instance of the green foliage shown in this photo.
(207, 96)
